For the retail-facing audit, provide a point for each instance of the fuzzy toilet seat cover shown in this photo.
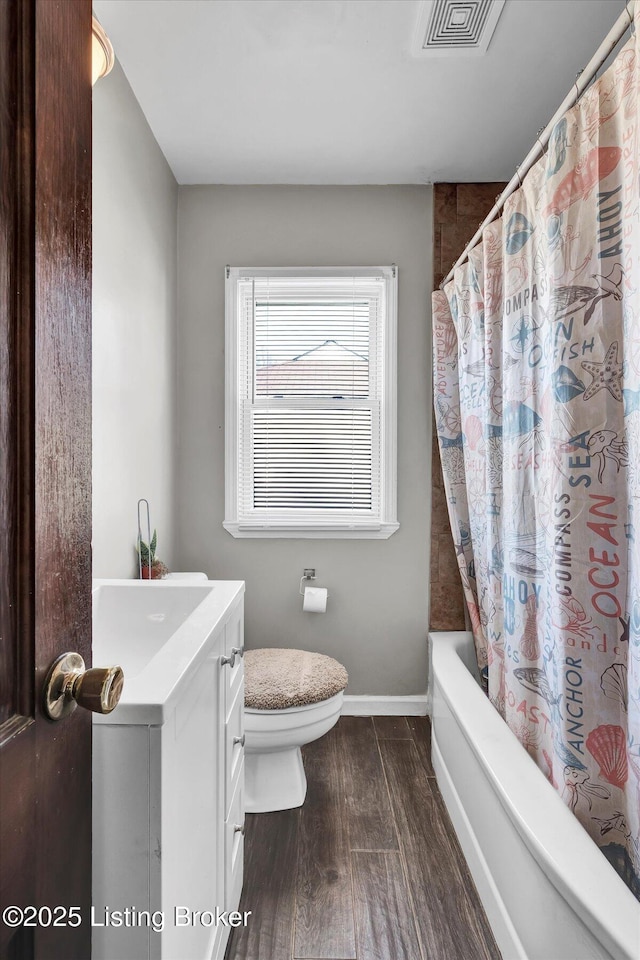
(275, 679)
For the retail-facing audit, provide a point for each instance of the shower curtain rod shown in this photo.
(610, 42)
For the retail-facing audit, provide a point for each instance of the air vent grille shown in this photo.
(451, 27)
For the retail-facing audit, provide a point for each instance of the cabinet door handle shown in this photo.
(240, 740)
(239, 828)
(228, 661)
(238, 650)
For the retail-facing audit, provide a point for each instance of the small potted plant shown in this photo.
(150, 567)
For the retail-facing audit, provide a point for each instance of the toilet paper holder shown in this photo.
(317, 596)
(306, 578)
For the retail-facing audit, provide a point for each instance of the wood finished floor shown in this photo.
(369, 868)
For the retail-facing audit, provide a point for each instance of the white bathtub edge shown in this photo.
(518, 784)
(502, 928)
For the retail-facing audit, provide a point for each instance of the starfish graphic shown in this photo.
(607, 374)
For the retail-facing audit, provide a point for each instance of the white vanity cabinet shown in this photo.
(168, 772)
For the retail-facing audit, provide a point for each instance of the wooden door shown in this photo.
(45, 492)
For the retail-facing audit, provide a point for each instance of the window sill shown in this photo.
(381, 531)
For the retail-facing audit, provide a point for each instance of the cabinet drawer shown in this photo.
(233, 893)
(234, 746)
(234, 648)
(234, 839)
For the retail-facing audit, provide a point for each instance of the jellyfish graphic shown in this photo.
(604, 445)
(578, 787)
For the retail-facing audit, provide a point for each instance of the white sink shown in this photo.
(157, 632)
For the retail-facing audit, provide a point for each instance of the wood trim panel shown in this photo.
(63, 459)
(458, 208)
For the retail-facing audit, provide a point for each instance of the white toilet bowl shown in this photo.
(274, 774)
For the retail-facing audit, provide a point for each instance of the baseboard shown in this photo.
(414, 706)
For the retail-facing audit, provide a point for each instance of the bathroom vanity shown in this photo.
(168, 764)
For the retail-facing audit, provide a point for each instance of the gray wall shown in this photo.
(376, 622)
(135, 200)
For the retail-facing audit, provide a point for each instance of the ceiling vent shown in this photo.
(455, 27)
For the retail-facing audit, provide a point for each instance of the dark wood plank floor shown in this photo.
(369, 868)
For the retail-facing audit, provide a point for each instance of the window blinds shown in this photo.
(311, 384)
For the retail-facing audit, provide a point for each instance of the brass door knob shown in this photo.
(69, 684)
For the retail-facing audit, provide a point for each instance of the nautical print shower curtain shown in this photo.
(537, 402)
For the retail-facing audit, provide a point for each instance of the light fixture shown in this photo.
(102, 56)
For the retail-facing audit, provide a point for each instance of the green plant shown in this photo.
(150, 567)
(147, 552)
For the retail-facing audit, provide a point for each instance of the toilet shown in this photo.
(291, 698)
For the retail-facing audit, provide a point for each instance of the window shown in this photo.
(311, 402)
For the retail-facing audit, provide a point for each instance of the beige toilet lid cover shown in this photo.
(275, 679)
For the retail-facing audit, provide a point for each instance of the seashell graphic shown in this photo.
(449, 342)
(519, 419)
(473, 430)
(554, 234)
(607, 745)
(518, 232)
(613, 684)
(566, 386)
(557, 147)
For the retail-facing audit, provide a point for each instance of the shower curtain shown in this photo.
(537, 402)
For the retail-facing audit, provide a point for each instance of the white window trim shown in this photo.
(365, 530)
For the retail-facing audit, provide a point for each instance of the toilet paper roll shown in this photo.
(315, 599)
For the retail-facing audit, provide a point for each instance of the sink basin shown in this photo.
(157, 632)
(132, 623)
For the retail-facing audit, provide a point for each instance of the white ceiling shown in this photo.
(326, 91)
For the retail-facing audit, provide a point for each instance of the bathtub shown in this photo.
(548, 892)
